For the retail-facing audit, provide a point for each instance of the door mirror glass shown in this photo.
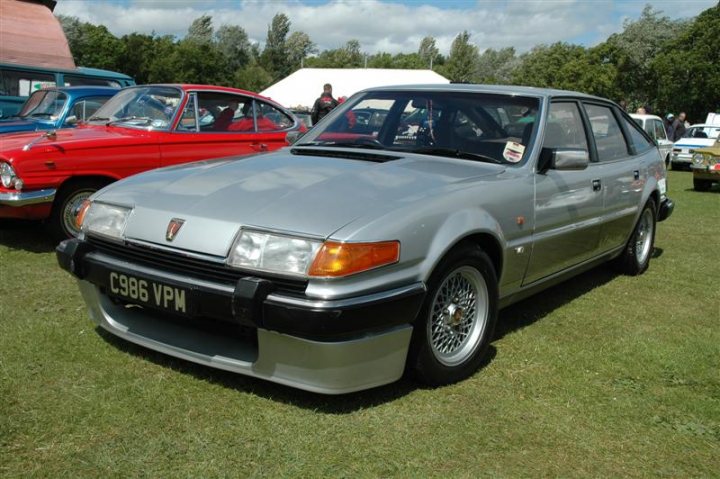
(567, 160)
(71, 120)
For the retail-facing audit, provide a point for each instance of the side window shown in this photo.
(609, 140)
(188, 119)
(23, 83)
(639, 141)
(89, 81)
(270, 118)
(564, 129)
(660, 133)
(85, 108)
(218, 112)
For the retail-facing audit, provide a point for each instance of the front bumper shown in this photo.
(667, 206)
(325, 346)
(26, 198)
(703, 172)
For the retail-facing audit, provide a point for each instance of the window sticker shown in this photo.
(513, 151)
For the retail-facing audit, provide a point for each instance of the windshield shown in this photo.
(702, 132)
(47, 104)
(475, 126)
(145, 107)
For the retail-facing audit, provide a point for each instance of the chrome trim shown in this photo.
(347, 302)
(24, 198)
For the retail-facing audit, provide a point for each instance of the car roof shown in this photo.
(187, 87)
(645, 116)
(497, 89)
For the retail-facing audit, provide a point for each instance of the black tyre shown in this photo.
(457, 320)
(635, 259)
(674, 166)
(65, 208)
(701, 185)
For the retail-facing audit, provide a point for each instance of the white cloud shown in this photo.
(383, 26)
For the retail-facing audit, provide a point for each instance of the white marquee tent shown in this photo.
(301, 88)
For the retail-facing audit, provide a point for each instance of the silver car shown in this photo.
(368, 248)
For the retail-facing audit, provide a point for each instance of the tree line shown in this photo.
(656, 62)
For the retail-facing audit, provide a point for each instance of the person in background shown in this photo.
(679, 126)
(226, 116)
(324, 104)
(668, 123)
(641, 111)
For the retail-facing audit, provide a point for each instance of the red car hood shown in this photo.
(67, 139)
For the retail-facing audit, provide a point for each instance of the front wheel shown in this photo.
(456, 323)
(635, 259)
(67, 204)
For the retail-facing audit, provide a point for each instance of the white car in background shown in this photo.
(655, 127)
(697, 136)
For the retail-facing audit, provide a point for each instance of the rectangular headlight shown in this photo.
(106, 220)
(272, 252)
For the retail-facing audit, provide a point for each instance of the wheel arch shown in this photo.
(73, 180)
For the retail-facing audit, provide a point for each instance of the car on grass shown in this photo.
(46, 176)
(695, 137)
(62, 107)
(706, 167)
(338, 263)
(655, 128)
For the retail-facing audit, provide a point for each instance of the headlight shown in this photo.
(7, 175)
(103, 219)
(698, 158)
(272, 252)
(307, 257)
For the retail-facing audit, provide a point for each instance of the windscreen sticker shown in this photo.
(513, 151)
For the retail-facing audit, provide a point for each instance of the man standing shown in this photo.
(324, 104)
(679, 126)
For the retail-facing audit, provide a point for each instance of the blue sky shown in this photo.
(393, 26)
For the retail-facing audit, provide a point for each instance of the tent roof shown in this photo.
(31, 35)
(301, 88)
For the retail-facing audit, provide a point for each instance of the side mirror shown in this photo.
(293, 136)
(563, 160)
(71, 120)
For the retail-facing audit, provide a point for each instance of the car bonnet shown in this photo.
(303, 195)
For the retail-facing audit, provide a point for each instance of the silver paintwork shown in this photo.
(542, 226)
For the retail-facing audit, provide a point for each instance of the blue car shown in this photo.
(57, 107)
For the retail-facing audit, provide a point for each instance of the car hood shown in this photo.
(300, 194)
(694, 142)
(68, 139)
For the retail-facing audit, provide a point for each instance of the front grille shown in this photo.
(179, 263)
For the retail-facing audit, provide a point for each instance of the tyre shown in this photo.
(635, 258)
(701, 185)
(674, 166)
(67, 203)
(457, 320)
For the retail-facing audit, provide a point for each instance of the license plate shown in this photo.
(147, 292)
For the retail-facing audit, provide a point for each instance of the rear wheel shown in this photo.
(67, 204)
(701, 185)
(457, 320)
(635, 259)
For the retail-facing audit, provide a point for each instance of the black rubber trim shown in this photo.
(666, 209)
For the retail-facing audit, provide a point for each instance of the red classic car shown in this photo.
(48, 175)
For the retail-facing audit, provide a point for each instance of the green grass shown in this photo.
(603, 376)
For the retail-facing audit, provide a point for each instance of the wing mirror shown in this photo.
(71, 120)
(563, 160)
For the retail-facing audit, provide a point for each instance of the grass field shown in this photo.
(602, 376)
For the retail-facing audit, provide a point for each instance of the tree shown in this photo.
(252, 77)
(497, 66)
(233, 43)
(349, 56)
(461, 66)
(274, 58)
(299, 47)
(92, 45)
(428, 52)
(201, 30)
(688, 69)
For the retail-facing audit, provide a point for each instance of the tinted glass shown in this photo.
(20, 83)
(474, 126)
(80, 80)
(564, 129)
(609, 140)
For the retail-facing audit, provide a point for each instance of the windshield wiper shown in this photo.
(455, 153)
(129, 118)
(346, 144)
(98, 118)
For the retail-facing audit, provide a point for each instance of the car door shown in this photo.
(219, 124)
(568, 204)
(621, 171)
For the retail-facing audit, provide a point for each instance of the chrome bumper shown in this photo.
(24, 198)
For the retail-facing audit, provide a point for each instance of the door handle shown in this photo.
(596, 185)
(636, 174)
(259, 146)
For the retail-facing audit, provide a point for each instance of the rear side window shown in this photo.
(564, 129)
(660, 133)
(639, 141)
(609, 140)
(23, 83)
